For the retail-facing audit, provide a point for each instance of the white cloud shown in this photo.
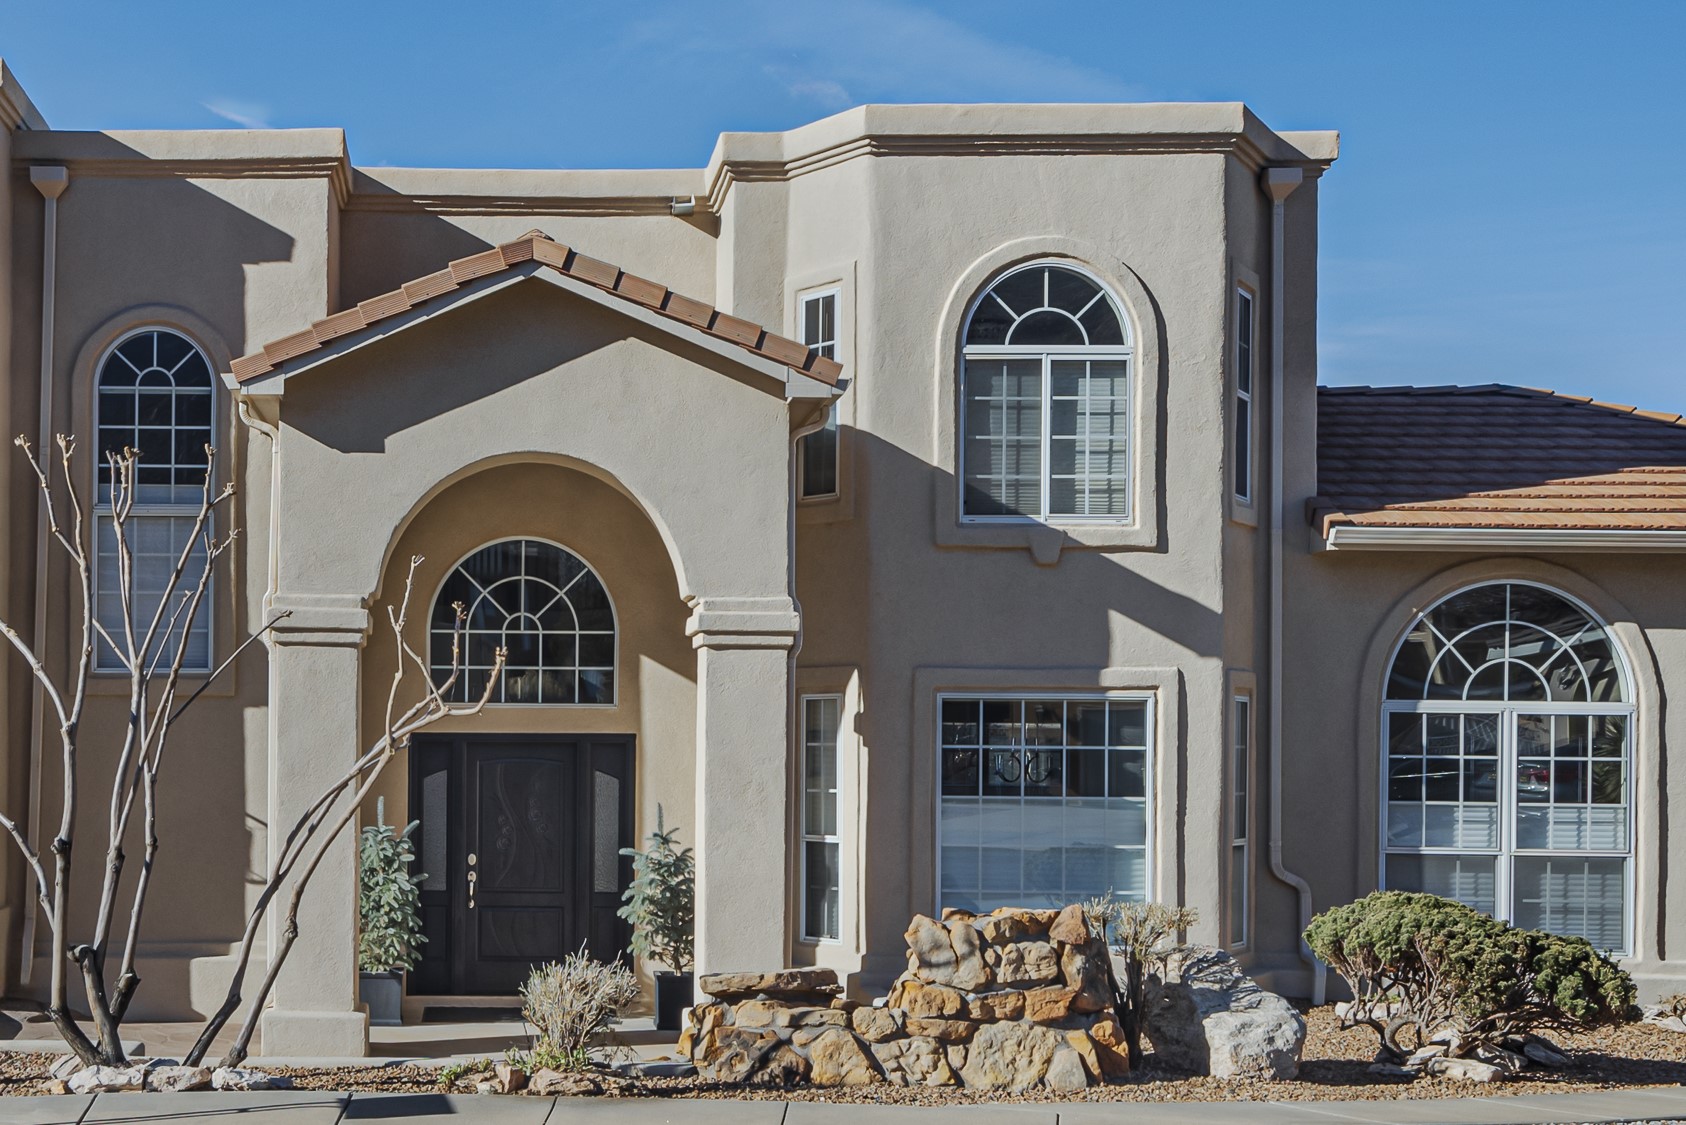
(244, 114)
(829, 94)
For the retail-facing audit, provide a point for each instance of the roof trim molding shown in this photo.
(1347, 537)
(17, 112)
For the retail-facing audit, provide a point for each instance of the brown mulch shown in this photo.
(1333, 1068)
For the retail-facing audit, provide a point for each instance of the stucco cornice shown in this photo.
(17, 112)
(196, 154)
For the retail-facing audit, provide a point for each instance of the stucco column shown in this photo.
(313, 738)
(743, 705)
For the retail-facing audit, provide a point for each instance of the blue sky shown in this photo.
(1510, 205)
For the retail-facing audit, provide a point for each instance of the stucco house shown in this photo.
(929, 506)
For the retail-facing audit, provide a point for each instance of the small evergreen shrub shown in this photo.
(570, 1004)
(660, 902)
(1440, 970)
(388, 897)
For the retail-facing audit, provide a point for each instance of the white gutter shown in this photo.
(1358, 538)
(1279, 184)
(51, 182)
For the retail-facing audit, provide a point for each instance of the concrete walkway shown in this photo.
(308, 1108)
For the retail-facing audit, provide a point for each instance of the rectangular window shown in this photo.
(1241, 766)
(1243, 452)
(1046, 437)
(155, 543)
(1044, 802)
(821, 877)
(818, 463)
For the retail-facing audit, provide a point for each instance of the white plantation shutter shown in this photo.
(155, 543)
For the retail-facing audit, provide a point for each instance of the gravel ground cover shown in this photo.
(1333, 1068)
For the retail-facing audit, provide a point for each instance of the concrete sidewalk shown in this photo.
(311, 1108)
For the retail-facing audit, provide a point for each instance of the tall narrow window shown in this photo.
(546, 607)
(821, 875)
(1044, 801)
(818, 314)
(1240, 772)
(1508, 755)
(155, 396)
(1243, 396)
(1045, 400)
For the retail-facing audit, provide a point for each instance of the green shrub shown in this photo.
(388, 898)
(571, 1004)
(1444, 971)
(660, 902)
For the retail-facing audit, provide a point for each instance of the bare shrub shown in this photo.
(571, 1004)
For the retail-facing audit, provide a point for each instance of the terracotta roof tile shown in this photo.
(535, 246)
(1495, 456)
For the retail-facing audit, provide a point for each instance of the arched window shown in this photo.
(155, 395)
(1508, 729)
(543, 604)
(1045, 400)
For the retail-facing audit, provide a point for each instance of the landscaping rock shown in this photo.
(1070, 927)
(65, 1067)
(1081, 1042)
(970, 971)
(930, 953)
(1009, 1056)
(1204, 1014)
(875, 1025)
(1391, 1070)
(803, 982)
(1065, 1071)
(1546, 1056)
(835, 1058)
(549, 1083)
(508, 1078)
(238, 1078)
(992, 1007)
(1027, 963)
(1463, 1070)
(920, 1061)
(106, 1079)
(956, 1031)
(1049, 1005)
(178, 1079)
(1110, 1047)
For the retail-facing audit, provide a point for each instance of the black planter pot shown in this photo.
(384, 995)
(674, 992)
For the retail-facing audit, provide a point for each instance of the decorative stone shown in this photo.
(955, 914)
(817, 1017)
(956, 1055)
(875, 1025)
(65, 1066)
(1085, 973)
(1390, 1070)
(1508, 1061)
(782, 1066)
(1028, 963)
(1070, 926)
(756, 1013)
(993, 1006)
(731, 1054)
(952, 1030)
(1110, 1047)
(1007, 926)
(509, 1078)
(53, 1086)
(1048, 1005)
(178, 1079)
(1205, 1015)
(919, 1061)
(1079, 1041)
(801, 982)
(1065, 1071)
(106, 1079)
(549, 1083)
(1545, 1056)
(237, 1078)
(1463, 1070)
(835, 1058)
(1009, 1056)
(929, 1001)
(970, 971)
(930, 952)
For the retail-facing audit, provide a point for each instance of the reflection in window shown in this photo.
(1509, 762)
(546, 607)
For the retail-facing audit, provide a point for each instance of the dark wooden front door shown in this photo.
(520, 837)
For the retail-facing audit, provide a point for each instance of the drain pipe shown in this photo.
(50, 181)
(1279, 184)
(243, 406)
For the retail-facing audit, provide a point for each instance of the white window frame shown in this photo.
(139, 512)
(1505, 855)
(806, 837)
(1150, 771)
(828, 349)
(1049, 356)
(1240, 815)
(1244, 477)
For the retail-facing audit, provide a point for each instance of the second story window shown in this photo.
(1045, 400)
(154, 396)
(818, 464)
(1243, 396)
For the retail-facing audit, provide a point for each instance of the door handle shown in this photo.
(473, 877)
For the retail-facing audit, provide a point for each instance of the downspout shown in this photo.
(272, 580)
(50, 181)
(1279, 184)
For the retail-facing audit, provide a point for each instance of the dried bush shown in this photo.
(570, 1004)
(1440, 970)
(1141, 934)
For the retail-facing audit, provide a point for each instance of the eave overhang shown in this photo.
(1348, 537)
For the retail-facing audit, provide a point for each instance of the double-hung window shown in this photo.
(817, 313)
(155, 396)
(821, 842)
(1046, 401)
(1508, 753)
(1244, 370)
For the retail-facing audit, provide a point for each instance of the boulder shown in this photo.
(1084, 971)
(1546, 1056)
(930, 952)
(239, 1078)
(993, 1006)
(1009, 1056)
(954, 1031)
(1110, 1047)
(919, 1061)
(875, 1025)
(178, 1079)
(1463, 1070)
(970, 970)
(928, 1001)
(1048, 1005)
(106, 1079)
(1007, 926)
(835, 1058)
(1080, 1041)
(549, 1083)
(798, 983)
(1205, 1015)
(1070, 927)
(1026, 963)
(508, 1078)
(1065, 1071)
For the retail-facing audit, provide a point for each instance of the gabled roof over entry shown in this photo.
(537, 248)
(1495, 464)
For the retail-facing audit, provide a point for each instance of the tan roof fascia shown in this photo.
(17, 112)
(474, 191)
(1011, 130)
(195, 153)
(1351, 537)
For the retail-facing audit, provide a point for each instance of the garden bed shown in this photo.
(1334, 1067)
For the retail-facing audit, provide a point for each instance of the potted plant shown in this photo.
(389, 917)
(660, 902)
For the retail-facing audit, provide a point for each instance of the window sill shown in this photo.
(1044, 541)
